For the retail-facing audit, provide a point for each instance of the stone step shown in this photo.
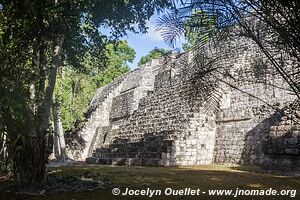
(126, 161)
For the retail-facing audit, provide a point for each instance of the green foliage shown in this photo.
(36, 37)
(199, 28)
(74, 89)
(153, 54)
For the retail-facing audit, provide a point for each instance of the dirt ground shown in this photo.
(89, 182)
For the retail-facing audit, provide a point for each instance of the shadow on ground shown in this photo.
(196, 177)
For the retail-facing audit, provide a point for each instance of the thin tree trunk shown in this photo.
(30, 161)
(56, 146)
(40, 158)
(42, 70)
(47, 102)
(59, 138)
(31, 146)
(39, 148)
(3, 148)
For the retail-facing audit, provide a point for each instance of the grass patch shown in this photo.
(203, 177)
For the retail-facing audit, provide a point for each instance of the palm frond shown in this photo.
(171, 26)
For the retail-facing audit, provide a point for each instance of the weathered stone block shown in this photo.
(292, 151)
(174, 125)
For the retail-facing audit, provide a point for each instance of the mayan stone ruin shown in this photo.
(162, 114)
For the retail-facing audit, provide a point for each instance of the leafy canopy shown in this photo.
(153, 54)
(75, 89)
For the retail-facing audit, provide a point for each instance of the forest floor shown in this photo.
(87, 182)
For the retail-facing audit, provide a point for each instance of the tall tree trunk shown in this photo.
(39, 148)
(39, 153)
(59, 138)
(56, 146)
(42, 71)
(3, 150)
(30, 147)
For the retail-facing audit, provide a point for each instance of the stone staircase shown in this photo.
(133, 153)
(101, 127)
(108, 145)
(97, 117)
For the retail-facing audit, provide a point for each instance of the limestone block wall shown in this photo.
(167, 129)
(282, 144)
(110, 105)
(164, 114)
(242, 128)
(252, 91)
(196, 146)
(97, 118)
(122, 105)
